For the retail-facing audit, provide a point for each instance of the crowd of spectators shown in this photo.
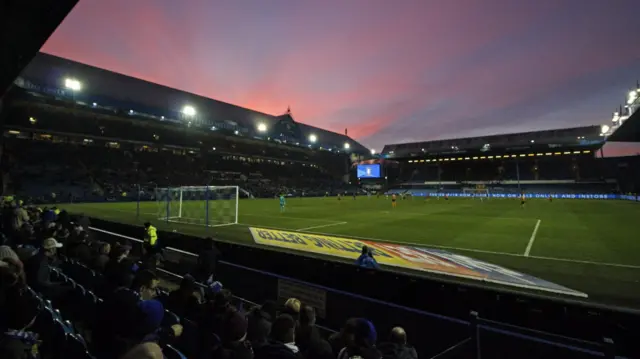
(97, 172)
(135, 316)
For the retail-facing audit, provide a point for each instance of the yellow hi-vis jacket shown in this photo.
(151, 236)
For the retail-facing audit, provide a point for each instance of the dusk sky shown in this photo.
(389, 71)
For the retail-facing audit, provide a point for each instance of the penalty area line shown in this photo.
(532, 239)
(320, 226)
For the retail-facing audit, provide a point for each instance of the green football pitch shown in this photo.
(588, 245)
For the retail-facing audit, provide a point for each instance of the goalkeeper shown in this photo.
(283, 202)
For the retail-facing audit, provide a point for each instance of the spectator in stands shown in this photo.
(282, 344)
(340, 339)
(18, 312)
(119, 271)
(102, 259)
(120, 321)
(397, 347)
(366, 259)
(207, 261)
(260, 319)
(307, 335)
(61, 233)
(362, 342)
(215, 310)
(183, 301)
(152, 313)
(292, 307)
(26, 235)
(12, 266)
(38, 268)
(234, 337)
(80, 249)
(145, 351)
(20, 217)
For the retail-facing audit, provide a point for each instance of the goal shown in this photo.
(210, 206)
(476, 192)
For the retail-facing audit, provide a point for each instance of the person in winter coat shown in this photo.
(397, 347)
(366, 259)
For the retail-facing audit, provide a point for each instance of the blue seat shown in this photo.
(170, 318)
(172, 353)
(59, 337)
(77, 347)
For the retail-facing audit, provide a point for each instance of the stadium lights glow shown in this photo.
(130, 111)
(72, 84)
(313, 138)
(633, 95)
(262, 127)
(347, 145)
(162, 117)
(189, 111)
(95, 104)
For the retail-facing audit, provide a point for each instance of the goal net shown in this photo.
(209, 206)
(476, 192)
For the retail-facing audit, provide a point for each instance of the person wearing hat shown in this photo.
(38, 269)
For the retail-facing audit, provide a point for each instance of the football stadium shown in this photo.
(512, 245)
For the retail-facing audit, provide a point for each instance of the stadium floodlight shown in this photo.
(95, 104)
(373, 152)
(633, 95)
(347, 145)
(262, 127)
(313, 138)
(605, 128)
(72, 84)
(189, 111)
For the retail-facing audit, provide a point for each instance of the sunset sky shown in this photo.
(389, 71)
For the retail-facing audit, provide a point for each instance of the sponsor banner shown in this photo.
(515, 195)
(395, 256)
(412, 258)
(497, 274)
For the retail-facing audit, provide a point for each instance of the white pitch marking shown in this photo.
(533, 238)
(321, 226)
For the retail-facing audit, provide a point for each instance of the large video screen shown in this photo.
(369, 171)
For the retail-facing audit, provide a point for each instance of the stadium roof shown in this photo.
(629, 130)
(48, 74)
(25, 26)
(587, 137)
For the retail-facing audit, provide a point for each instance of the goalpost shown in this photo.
(210, 206)
(480, 191)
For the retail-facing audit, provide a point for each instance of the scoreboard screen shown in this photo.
(369, 171)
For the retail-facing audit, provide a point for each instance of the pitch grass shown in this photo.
(587, 245)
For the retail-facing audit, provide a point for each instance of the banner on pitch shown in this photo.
(407, 257)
